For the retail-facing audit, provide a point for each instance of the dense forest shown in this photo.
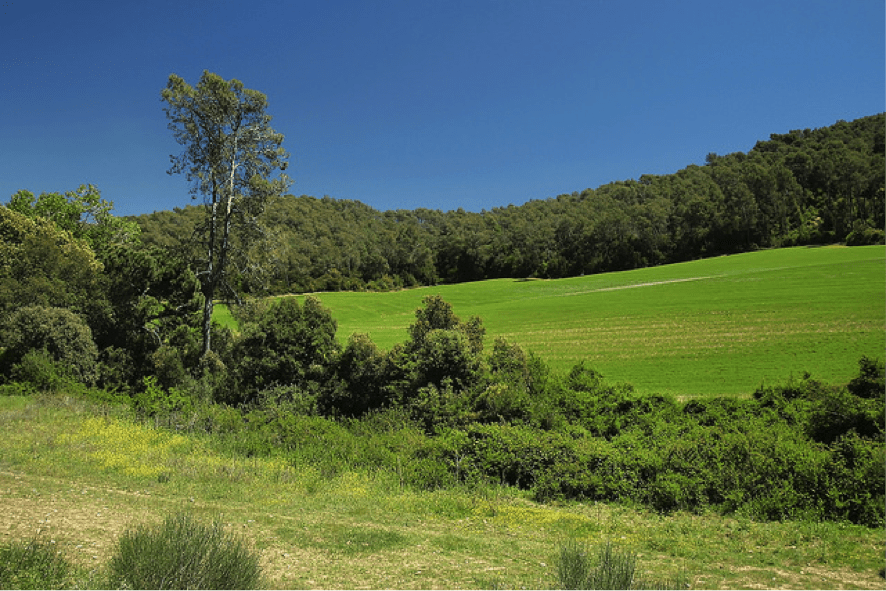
(803, 187)
(109, 309)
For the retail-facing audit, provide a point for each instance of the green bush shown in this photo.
(33, 565)
(359, 370)
(184, 553)
(871, 379)
(39, 370)
(447, 355)
(62, 334)
(155, 400)
(289, 344)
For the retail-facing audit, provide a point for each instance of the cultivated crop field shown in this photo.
(716, 326)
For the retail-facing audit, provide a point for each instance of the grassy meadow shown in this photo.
(76, 477)
(719, 326)
(331, 505)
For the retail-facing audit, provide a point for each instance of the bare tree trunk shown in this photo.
(209, 279)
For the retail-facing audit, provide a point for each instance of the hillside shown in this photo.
(802, 187)
(717, 326)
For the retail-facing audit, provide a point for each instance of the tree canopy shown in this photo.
(230, 154)
(802, 187)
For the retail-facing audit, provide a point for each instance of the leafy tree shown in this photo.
(230, 153)
(290, 344)
(83, 213)
(360, 370)
(442, 358)
(61, 334)
(151, 295)
(44, 265)
(438, 315)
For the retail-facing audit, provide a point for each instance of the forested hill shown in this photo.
(802, 187)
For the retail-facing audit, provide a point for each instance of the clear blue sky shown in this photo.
(440, 103)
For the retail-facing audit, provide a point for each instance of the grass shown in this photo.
(183, 553)
(719, 326)
(361, 529)
(34, 564)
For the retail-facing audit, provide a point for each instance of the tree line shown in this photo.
(804, 187)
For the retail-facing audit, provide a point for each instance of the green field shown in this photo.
(76, 476)
(723, 325)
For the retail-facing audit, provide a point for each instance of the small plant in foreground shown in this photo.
(611, 568)
(578, 569)
(33, 565)
(184, 553)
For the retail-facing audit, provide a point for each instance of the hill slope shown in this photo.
(715, 326)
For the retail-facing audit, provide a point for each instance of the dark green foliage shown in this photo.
(435, 374)
(802, 187)
(519, 389)
(446, 356)
(290, 344)
(33, 565)
(841, 412)
(62, 335)
(152, 301)
(43, 265)
(359, 370)
(871, 379)
(750, 456)
(184, 553)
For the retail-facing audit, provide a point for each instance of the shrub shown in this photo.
(359, 370)
(33, 565)
(39, 370)
(613, 568)
(447, 355)
(155, 400)
(184, 553)
(871, 380)
(63, 335)
(290, 344)
(840, 412)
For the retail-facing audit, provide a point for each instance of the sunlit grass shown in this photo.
(360, 528)
(716, 326)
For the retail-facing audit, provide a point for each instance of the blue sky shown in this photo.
(440, 104)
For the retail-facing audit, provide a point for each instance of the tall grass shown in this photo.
(612, 569)
(184, 553)
(33, 565)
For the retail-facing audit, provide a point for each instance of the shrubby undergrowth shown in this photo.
(438, 412)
